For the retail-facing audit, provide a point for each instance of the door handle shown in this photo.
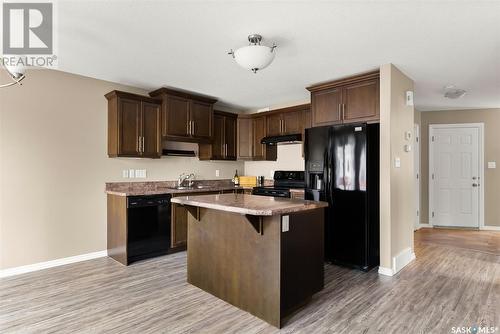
(475, 185)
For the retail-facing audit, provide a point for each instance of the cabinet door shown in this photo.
(151, 130)
(326, 107)
(129, 127)
(361, 102)
(274, 127)
(179, 225)
(179, 220)
(245, 138)
(230, 137)
(292, 122)
(201, 120)
(218, 139)
(176, 117)
(259, 132)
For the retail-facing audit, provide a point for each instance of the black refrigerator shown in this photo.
(342, 168)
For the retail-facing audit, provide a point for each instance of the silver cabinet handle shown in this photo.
(192, 129)
(343, 111)
(139, 144)
(188, 127)
(338, 109)
(143, 148)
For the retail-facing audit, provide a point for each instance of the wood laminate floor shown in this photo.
(447, 285)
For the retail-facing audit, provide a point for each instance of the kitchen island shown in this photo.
(261, 254)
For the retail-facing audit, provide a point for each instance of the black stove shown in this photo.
(283, 182)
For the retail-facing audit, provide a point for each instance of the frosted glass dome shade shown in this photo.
(254, 57)
(16, 71)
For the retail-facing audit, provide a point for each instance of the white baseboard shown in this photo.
(402, 259)
(50, 264)
(490, 228)
(424, 226)
(385, 271)
(398, 262)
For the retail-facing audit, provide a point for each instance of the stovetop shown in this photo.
(283, 182)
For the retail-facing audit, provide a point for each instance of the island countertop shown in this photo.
(249, 204)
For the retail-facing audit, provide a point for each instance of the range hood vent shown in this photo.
(178, 153)
(287, 139)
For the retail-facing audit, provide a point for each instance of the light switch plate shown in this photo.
(217, 173)
(131, 173)
(492, 164)
(285, 223)
(397, 162)
(125, 173)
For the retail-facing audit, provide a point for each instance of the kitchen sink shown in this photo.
(189, 188)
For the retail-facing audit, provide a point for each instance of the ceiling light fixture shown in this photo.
(16, 73)
(254, 57)
(452, 92)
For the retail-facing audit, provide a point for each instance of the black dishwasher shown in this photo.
(148, 232)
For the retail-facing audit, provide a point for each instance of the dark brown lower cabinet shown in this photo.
(179, 222)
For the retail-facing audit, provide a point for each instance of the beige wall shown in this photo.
(53, 166)
(491, 182)
(289, 158)
(397, 189)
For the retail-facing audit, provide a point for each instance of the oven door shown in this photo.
(271, 192)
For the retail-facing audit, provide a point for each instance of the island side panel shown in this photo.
(302, 259)
(228, 258)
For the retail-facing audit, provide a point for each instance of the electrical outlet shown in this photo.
(131, 173)
(217, 173)
(140, 173)
(397, 162)
(492, 164)
(125, 173)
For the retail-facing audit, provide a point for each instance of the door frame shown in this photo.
(416, 168)
(480, 127)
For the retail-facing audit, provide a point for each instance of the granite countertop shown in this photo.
(249, 204)
(166, 187)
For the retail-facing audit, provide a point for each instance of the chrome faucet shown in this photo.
(183, 177)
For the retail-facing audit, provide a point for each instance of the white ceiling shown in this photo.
(183, 44)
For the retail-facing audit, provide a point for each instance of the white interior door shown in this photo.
(454, 176)
(416, 164)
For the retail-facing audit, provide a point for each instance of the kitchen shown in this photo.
(170, 187)
(341, 158)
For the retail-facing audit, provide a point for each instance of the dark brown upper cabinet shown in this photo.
(286, 121)
(245, 137)
(223, 145)
(185, 117)
(133, 125)
(349, 100)
(250, 131)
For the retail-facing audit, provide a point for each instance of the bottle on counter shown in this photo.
(236, 179)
